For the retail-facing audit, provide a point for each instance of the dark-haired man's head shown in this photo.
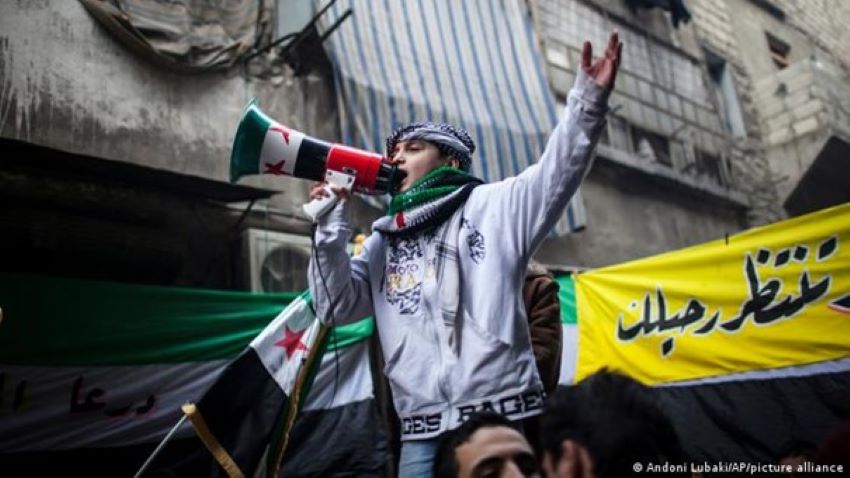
(796, 452)
(486, 445)
(420, 148)
(607, 422)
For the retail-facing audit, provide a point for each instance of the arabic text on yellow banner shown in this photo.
(770, 297)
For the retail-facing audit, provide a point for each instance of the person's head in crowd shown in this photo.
(602, 426)
(796, 452)
(487, 445)
(835, 449)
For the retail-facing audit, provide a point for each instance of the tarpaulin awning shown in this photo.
(475, 64)
(186, 34)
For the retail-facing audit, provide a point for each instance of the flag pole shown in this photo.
(294, 404)
(159, 447)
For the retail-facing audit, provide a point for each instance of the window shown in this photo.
(651, 146)
(779, 51)
(725, 94)
(709, 166)
(679, 156)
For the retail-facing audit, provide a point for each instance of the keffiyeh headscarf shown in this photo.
(437, 195)
(452, 142)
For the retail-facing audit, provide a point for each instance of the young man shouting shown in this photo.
(443, 270)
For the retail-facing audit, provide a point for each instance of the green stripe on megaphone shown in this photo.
(248, 143)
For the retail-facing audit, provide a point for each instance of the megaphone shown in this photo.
(264, 146)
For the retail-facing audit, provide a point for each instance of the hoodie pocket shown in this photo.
(411, 374)
(487, 364)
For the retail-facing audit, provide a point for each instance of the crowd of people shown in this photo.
(600, 427)
(607, 425)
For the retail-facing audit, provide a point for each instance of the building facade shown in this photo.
(115, 166)
(732, 120)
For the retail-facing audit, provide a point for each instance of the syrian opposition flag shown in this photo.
(746, 340)
(569, 329)
(339, 429)
(250, 415)
(236, 416)
(93, 375)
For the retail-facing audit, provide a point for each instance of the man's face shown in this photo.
(416, 158)
(496, 452)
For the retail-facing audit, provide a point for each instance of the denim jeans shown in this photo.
(417, 458)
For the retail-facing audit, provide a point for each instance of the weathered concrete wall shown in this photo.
(825, 22)
(750, 24)
(66, 83)
(796, 120)
(712, 23)
(790, 110)
(660, 88)
(630, 218)
(715, 23)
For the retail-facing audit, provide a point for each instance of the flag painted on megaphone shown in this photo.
(264, 146)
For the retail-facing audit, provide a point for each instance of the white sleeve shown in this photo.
(532, 202)
(335, 278)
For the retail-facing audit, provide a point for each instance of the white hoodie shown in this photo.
(441, 372)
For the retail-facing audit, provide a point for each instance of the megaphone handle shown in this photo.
(318, 207)
(333, 179)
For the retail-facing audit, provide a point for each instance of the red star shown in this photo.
(291, 341)
(283, 132)
(276, 168)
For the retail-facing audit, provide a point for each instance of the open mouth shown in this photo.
(401, 181)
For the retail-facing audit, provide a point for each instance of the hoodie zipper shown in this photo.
(433, 325)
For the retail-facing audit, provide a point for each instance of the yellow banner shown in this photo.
(770, 297)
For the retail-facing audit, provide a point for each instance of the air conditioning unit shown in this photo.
(275, 261)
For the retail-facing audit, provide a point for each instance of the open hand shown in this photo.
(604, 69)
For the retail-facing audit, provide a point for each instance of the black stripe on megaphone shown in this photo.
(372, 173)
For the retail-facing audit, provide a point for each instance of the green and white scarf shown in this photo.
(428, 203)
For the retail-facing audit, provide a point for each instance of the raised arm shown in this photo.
(539, 195)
